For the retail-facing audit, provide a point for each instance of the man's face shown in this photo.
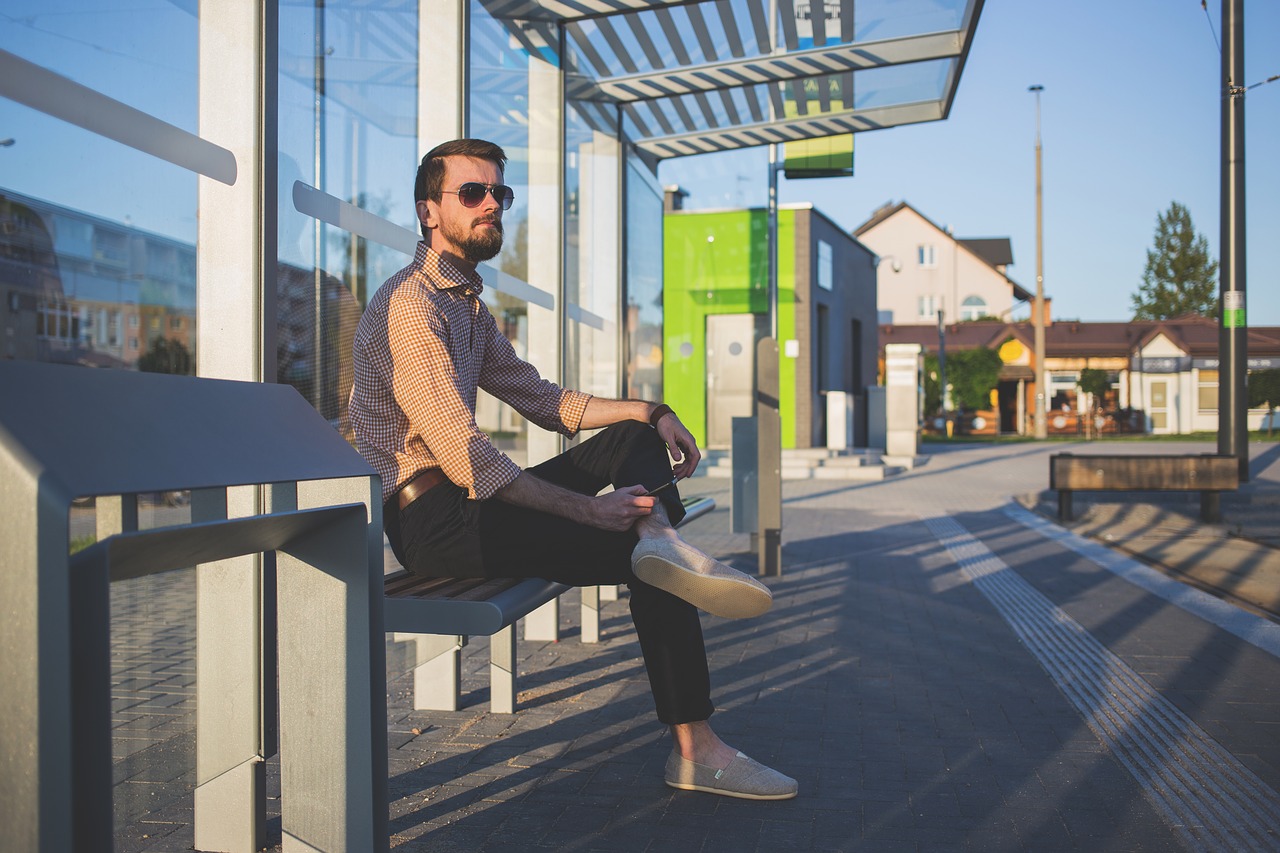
(471, 233)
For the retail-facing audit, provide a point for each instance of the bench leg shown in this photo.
(502, 671)
(609, 593)
(437, 671)
(1211, 507)
(591, 614)
(544, 623)
(1064, 505)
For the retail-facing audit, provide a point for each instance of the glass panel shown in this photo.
(642, 374)
(591, 257)
(882, 19)
(901, 84)
(97, 239)
(499, 105)
(348, 127)
(501, 53)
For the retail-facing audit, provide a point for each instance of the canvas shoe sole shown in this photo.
(706, 583)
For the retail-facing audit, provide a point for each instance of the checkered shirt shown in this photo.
(423, 346)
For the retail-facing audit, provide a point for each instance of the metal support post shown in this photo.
(1233, 399)
(769, 458)
(1037, 320)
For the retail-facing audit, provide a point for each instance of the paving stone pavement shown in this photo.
(913, 676)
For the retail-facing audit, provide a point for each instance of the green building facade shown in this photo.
(715, 305)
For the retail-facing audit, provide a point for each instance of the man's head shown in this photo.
(459, 195)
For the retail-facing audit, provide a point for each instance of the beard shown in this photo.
(476, 246)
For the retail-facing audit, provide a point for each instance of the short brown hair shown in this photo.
(430, 181)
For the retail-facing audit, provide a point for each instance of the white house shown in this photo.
(924, 269)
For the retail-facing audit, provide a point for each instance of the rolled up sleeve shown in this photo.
(516, 382)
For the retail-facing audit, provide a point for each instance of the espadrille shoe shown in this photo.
(706, 583)
(743, 778)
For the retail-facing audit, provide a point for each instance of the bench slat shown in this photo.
(469, 617)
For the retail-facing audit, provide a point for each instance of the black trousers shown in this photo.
(444, 534)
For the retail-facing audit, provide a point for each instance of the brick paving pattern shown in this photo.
(883, 680)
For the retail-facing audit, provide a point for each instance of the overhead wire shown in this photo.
(1273, 78)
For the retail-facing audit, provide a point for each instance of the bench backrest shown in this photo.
(1142, 473)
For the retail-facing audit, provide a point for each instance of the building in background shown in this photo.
(1164, 374)
(925, 270)
(715, 307)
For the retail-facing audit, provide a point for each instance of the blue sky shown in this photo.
(1130, 122)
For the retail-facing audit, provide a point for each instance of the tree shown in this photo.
(1180, 277)
(972, 375)
(1096, 383)
(1264, 390)
(167, 356)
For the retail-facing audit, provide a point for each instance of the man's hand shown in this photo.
(680, 443)
(620, 509)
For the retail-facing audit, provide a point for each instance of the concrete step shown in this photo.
(809, 465)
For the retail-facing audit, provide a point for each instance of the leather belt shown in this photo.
(420, 485)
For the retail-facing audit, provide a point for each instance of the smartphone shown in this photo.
(661, 488)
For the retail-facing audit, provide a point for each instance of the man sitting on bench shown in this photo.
(457, 507)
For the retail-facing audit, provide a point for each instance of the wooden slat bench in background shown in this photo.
(1210, 475)
(434, 616)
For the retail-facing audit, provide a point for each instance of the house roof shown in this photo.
(995, 252)
(1196, 336)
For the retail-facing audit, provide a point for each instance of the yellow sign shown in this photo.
(1011, 351)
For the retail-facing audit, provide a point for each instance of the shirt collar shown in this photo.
(444, 275)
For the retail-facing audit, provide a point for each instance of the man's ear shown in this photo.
(427, 216)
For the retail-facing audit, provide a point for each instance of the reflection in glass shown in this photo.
(642, 318)
(591, 253)
(97, 240)
(348, 126)
(499, 111)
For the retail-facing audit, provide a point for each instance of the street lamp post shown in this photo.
(1037, 318)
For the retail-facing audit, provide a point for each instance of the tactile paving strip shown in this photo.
(1209, 798)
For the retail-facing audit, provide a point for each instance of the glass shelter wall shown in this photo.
(97, 237)
(347, 136)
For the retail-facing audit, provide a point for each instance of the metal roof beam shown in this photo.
(790, 130)
(814, 62)
(572, 10)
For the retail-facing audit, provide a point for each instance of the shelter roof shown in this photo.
(693, 77)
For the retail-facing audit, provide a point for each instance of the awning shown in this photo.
(695, 77)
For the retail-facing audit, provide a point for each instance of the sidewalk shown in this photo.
(942, 670)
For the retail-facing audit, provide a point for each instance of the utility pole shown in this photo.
(1037, 319)
(1233, 427)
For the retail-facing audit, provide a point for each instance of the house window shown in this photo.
(927, 306)
(927, 255)
(825, 265)
(1207, 390)
(973, 307)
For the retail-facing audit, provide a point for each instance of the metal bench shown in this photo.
(1208, 474)
(268, 476)
(434, 617)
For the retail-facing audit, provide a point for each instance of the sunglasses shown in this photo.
(472, 193)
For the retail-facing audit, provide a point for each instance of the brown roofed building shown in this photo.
(1165, 371)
